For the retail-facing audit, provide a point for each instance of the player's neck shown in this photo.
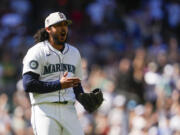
(59, 47)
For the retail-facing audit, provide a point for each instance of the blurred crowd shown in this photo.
(130, 50)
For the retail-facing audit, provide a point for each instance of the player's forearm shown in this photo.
(32, 84)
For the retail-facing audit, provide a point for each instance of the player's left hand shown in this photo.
(91, 101)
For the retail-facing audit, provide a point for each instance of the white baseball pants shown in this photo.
(55, 119)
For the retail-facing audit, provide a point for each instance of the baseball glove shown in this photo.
(91, 101)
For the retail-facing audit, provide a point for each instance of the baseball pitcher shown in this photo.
(52, 75)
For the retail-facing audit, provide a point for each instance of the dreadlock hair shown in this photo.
(41, 35)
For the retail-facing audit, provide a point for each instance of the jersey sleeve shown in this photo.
(78, 72)
(32, 62)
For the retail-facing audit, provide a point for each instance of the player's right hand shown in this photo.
(67, 82)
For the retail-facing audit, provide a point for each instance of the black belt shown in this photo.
(56, 102)
(61, 102)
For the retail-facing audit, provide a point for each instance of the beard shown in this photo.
(57, 41)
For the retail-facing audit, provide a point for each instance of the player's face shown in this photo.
(59, 33)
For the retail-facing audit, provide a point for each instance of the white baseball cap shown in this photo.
(54, 18)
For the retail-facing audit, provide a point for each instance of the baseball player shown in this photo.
(52, 75)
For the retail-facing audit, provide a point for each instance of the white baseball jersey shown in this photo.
(51, 64)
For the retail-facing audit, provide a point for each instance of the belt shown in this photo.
(56, 102)
(61, 102)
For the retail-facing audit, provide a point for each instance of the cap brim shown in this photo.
(69, 22)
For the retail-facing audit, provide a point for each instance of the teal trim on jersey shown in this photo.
(52, 68)
(65, 51)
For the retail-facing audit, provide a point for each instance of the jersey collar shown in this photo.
(51, 48)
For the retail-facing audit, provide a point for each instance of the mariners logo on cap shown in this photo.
(61, 15)
(33, 64)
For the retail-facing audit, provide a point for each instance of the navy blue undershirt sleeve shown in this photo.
(31, 83)
(78, 90)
